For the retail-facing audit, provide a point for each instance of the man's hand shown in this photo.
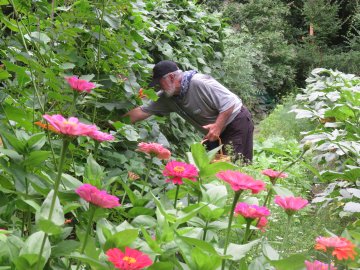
(214, 132)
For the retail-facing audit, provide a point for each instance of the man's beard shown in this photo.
(170, 92)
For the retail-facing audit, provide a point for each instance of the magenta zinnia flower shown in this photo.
(177, 170)
(317, 265)
(131, 259)
(80, 85)
(101, 136)
(155, 149)
(98, 197)
(71, 126)
(251, 211)
(339, 247)
(291, 204)
(239, 181)
(273, 175)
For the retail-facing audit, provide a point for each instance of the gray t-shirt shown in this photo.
(201, 105)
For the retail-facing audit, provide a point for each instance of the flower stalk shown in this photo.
(227, 237)
(176, 195)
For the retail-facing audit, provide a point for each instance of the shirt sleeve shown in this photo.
(160, 107)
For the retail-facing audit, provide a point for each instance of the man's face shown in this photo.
(167, 83)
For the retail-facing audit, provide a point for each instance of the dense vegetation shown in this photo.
(274, 54)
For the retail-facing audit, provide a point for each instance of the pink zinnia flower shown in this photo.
(101, 136)
(80, 85)
(177, 170)
(98, 197)
(317, 265)
(155, 149)
(262, 224)
(240, 181)
(273, 175)
(131, 259)
(291, 204)
(339, 247)
(251, 211)
(71, 126)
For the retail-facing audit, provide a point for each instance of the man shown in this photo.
(203, 102)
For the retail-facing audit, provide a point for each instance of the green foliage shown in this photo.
(270, 56)
(323, 16)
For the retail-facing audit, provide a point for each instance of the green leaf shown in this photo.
(67, 65)
(205, 261)
(121, 239)
(199, 154)
(214, 168)
(239, 251)
(294, 262)
(52, 225)
(38, 37)
(93, 172)
(151, 242)
(11, 141)
(36, 158)
(161, 266)
(281, 191)
(64, 248)
(95, 263)
(151, 94)
(4, 74)
(144, 221)
(270, 252)
(32, 248)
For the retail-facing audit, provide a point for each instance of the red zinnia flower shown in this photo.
(131, 259)
(339, 247)
(155, 149)
(80, 85)
(273, 175)
(317, 265)
(240, 181)
(177, 170)
(98, 197)
(71, 126)
(251, 211)
(291, 204)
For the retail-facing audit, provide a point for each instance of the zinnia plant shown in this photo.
(98, 198)
(176, 171)
(339, 247)
(291, 205)
(238, 182)
(261, 225)
(79, 84)
(71, 126)
(250, 213)
(154, 149)
(317, 265)
(131, 259)
(273, 175)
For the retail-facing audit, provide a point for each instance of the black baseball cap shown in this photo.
(160, 69)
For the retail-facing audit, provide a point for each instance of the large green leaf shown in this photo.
(32, 248)
(93, 172)
(53, 224)
(293, 262)
(121, 239)
(36, 158)
(199, 154)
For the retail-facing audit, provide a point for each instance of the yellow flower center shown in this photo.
(69, 123)
(129, 260)
(179, 169)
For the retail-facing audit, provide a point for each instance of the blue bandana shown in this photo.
(185, 82)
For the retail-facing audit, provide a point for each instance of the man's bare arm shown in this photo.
(137, 115)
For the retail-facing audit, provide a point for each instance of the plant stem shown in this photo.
(268, 196)
(88, 228)
(247, 231)
(236, 198)
(176, 195)
(64, 148)
(205, 230)
(286, 235)
(149, 163)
